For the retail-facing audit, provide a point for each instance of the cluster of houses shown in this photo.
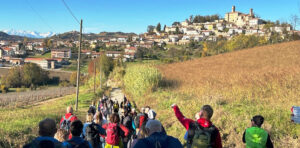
(234, 23)
(11, 54)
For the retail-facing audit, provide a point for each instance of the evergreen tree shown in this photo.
(158, 27)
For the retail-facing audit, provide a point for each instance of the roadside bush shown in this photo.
(73, 79)
(140, 79)
(3, 89)
(118, 73)
(64, 83)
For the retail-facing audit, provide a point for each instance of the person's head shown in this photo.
(70, 109)
(125, 112)
(61, 135)
(151, 114)
(197, 116)
(93, 103)
(257, 120)
(47, 128)
(153, 126)
(76, 128)
(114, 118)
(98, 117)
(143, 110)
(89, 117)
(206, 112)
(133, 110)
(147, 108)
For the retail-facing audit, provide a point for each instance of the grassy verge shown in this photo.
(19, 125)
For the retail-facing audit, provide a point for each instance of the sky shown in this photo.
(127, 15)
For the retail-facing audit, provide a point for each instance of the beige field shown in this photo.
(263, 80)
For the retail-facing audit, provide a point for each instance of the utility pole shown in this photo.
(100, 73)
(94, 76)
(78, 66)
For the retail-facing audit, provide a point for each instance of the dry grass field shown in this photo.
(263, 80)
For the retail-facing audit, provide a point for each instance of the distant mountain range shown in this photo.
(74, 35)
(15, 35)
(29, 34)
(5, 36)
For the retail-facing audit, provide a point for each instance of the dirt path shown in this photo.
(117, 95)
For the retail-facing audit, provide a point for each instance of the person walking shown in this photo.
(201, 133)
(77, 141)
(114, 132)
(47, 130)
(156, 138)
(91, 132)
(255, 136)
(66, 120)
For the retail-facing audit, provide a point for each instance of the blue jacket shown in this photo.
(43, 141)
(161, 139)
(76, 140)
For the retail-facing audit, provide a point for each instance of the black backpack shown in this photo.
(201, 137)
(92, 110)
(66, 123)
(92, 135)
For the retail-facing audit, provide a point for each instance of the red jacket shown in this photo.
(123, 128)
(203, 122)
(67, 115)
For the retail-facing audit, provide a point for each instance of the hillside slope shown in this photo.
(238, 85)
(240, 67)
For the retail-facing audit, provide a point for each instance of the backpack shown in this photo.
(113, 134)
(116, 106)
(138, 120)
(92, 110)
(92, 135)
(200, 137)
(66, 123)
(83, 144)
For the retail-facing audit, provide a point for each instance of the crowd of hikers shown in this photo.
(111, 124)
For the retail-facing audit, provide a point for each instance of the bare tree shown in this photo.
(294, 20)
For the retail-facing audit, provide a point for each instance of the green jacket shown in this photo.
(256, 137)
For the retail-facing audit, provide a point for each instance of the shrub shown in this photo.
(3, 89)
(29, 75)
(140, 79)
(103, 63)
(118, 73)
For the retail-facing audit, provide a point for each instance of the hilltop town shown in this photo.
(59, 50)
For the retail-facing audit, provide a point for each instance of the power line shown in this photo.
(36, 12)
(70, 11)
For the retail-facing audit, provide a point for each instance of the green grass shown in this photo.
(73, 66)
(140, 79)
(46, 55)
(23, 121)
